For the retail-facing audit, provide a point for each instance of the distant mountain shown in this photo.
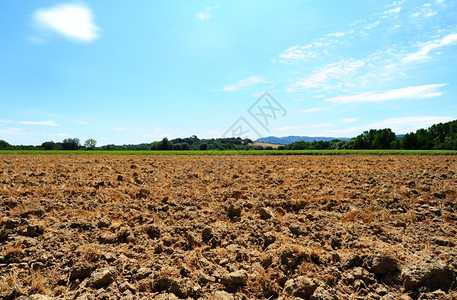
(285, 140)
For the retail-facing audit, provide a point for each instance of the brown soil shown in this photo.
(228, 227)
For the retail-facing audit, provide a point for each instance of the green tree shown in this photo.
(4, 145)
(90, 144)
(70, 144)
(155, 146)
(382, 138)
(165, 144)
(396, 144)
(410, 141)
(203, 146)
(177, 146)
(185, 146)
(48, 145)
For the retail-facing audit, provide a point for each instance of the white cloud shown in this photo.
(396, 3)
(372, 25)
(82, 122)
(337, 34)
(431, 14)
(413, 92)
(391, 12)
(62, 134)
(12, 131)
(205, 15)
(427, 47)
(119, 129)
(348, 120)
(253, 80)
(74, 21)
(320, 77)
(296, 54)
(39, 123)
(315, 109)
(395, 10)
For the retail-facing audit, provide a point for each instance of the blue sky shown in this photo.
(135, 71)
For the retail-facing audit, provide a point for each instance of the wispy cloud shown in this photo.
(427, 10)
(320, 78)
(12, 131)
(205, 14)
(391, 12)
(39, 123)
(372, 25)
(253, 80)
(119, 129)
(73, 21)
(425, 49)
(337, 34)
(296, 54)
(4, 121)
(315, 109)
(413, 92)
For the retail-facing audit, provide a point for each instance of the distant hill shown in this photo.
(285, 140)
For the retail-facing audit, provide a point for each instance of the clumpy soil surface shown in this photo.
(228, 227)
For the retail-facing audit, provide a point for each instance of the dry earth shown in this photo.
(228, 227)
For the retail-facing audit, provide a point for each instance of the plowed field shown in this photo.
(228, 227)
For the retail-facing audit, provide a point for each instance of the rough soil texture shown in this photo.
(227, 227)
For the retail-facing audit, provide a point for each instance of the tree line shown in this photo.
(194, 143)
(66, 144)
(442, 136)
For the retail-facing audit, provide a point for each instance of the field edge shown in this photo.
(231, 152)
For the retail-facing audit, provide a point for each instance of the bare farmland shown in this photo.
(228, 227)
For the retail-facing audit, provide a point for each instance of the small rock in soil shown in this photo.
(80, 270)
(266, 212)
(429, 272)
(100, 278)
(324, 293)
(233, 211)
(223, 295)
(301, 287)
(235, 278)
(381, 264)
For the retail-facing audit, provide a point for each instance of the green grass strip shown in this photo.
(233, 152)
